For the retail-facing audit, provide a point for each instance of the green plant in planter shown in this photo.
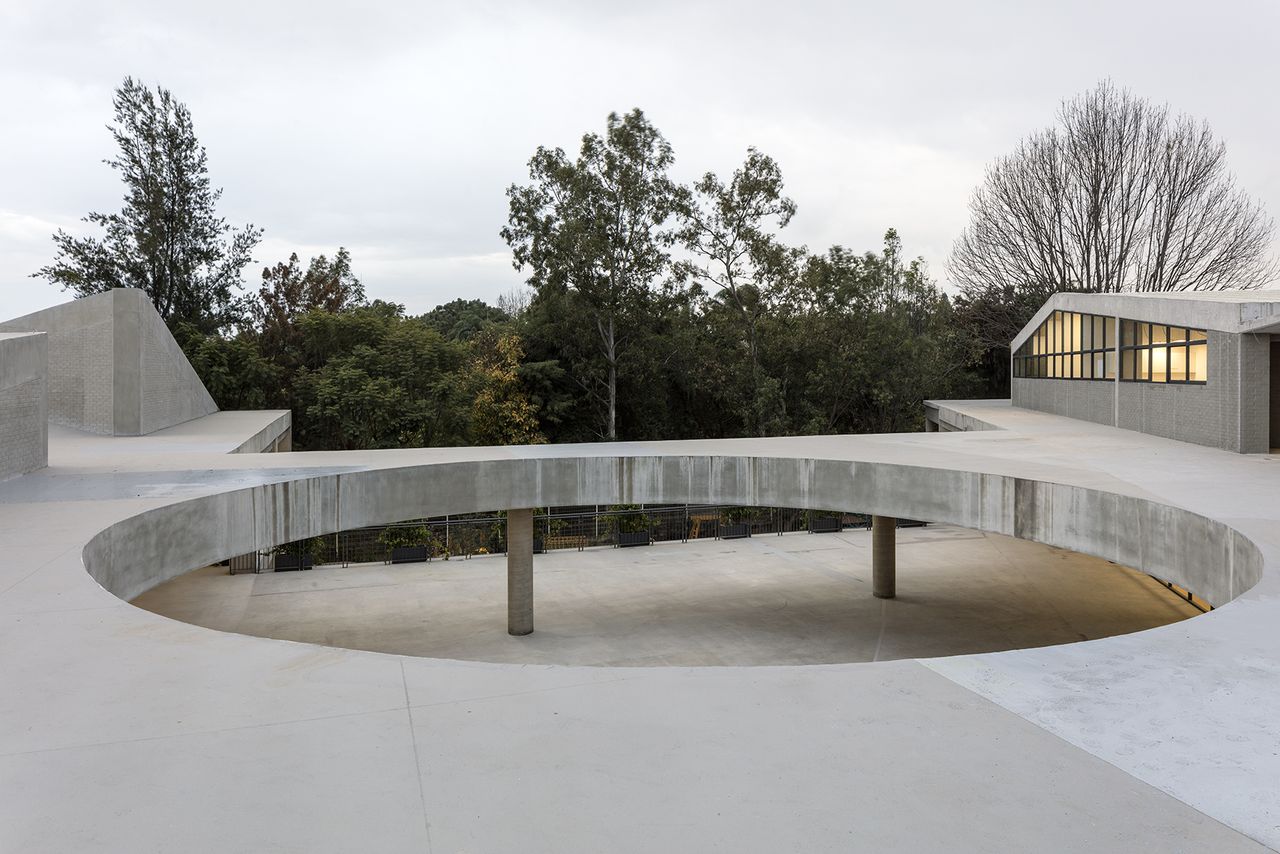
(617, 520)
(739, 515)
(405, 536)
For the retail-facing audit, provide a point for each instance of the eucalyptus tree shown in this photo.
(736, 261)
(167, 239)
(595, 230)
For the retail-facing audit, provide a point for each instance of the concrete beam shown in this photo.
(884, 563)
(520, 572)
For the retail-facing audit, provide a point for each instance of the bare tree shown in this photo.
(1119, 196)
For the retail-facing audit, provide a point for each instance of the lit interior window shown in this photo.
(1163, 354)
(1069, 345)
(1074, 346)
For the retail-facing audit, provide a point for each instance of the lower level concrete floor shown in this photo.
(796, 599)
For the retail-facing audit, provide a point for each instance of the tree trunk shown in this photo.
(612, 356)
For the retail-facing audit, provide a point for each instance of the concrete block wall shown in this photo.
(113, 366)
(1230, 411)
(1255, 394)
(1086, 400)
(24, 425)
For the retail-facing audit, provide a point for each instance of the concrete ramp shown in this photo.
(114, 368)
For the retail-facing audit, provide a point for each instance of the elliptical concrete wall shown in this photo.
(1196, 552)
(113, 366)
(24, 425)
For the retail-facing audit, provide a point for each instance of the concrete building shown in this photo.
(124, 731)
(1197, 367)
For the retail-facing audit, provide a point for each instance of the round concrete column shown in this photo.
(519, 572)
(884, 564)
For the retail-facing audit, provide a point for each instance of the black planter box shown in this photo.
(291, 563)
(409, 554)
(627, 539)
(735, 532)
(825, 525)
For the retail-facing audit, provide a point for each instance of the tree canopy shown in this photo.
(167, 239)
(594, 232)
(662, 311)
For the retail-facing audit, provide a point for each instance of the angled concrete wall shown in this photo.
(24, 425)
(113, 366)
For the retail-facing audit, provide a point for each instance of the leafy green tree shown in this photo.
(288, 292)
(737, 260)
(874, 337)
(167, 238)
(595, 230)
(502, 412)
(234, 369)
(463, 319)
(380, 380)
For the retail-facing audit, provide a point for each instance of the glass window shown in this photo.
(1177, 364)
(1070, 345)
(1197, 362)
(1127, 330)
(1159, 364)
(1163, 354)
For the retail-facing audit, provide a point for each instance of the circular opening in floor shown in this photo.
(802, 597)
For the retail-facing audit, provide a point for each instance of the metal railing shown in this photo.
(555, 528)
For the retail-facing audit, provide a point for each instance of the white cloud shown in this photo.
(393, 129)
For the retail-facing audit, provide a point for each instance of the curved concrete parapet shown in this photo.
(123, 730)
(1171, 543)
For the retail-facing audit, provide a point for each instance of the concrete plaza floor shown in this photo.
(795, 599)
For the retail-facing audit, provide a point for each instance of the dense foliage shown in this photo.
(850, 343)
(167, 238)
(656, 310)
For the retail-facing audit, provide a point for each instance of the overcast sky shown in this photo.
(393, 129)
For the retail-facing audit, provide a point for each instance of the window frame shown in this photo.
(1065, 347)
(1141, 339)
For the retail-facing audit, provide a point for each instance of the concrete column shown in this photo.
(884, 565)
(520, 572)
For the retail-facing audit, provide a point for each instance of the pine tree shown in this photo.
(167, 239)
